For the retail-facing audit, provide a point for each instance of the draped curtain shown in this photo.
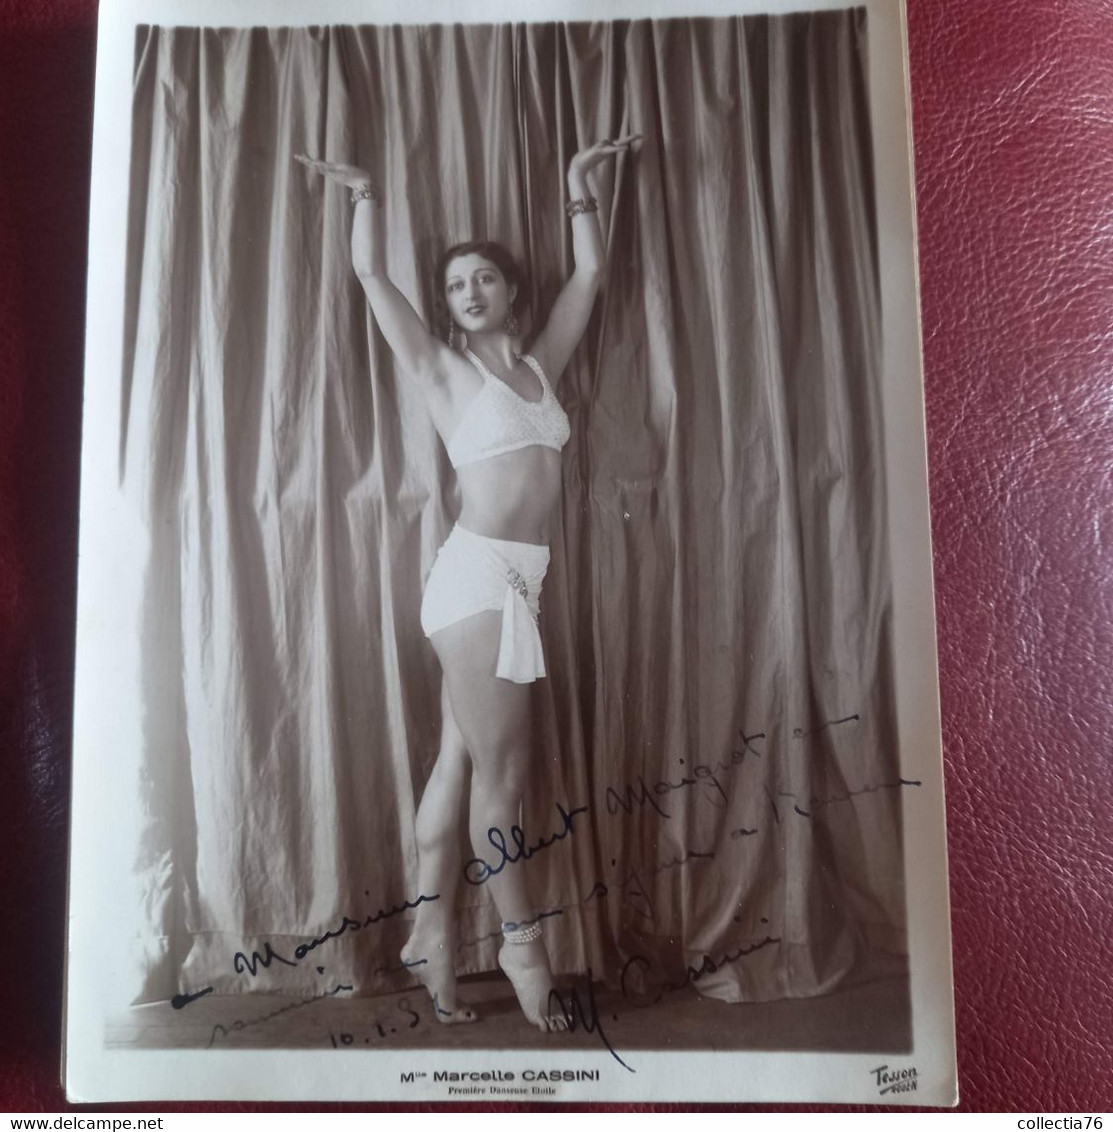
(717, 615)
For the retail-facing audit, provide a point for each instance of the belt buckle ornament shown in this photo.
(517, 582)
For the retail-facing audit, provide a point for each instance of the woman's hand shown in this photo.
(350, 176)
(587, 159)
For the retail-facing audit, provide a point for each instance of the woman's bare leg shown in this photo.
(493, 717)
(430, 952)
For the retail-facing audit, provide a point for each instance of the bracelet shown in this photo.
(575, 207)
(517, 933)
(366, 191)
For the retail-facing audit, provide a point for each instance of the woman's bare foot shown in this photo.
(433, 967)
(527, 968)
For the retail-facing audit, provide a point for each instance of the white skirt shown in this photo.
(473, 573)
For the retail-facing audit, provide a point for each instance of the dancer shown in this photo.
(496, 411)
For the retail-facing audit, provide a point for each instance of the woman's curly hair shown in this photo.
(499, 255)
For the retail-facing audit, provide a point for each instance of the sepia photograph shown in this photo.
(504, 488)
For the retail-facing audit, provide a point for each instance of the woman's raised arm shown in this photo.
(408, 337)
(568, 319)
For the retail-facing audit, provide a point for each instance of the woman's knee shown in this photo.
(501, 768)
(436, 828)
(438, 816)
(453, 761)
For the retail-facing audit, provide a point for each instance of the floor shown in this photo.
(871, 1017)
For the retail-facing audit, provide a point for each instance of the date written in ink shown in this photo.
(404, 1018)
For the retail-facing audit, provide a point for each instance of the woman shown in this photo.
(497, 413)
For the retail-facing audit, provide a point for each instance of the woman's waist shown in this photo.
(513, 525)
(516, 509)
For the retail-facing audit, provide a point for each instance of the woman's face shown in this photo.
(477, 293)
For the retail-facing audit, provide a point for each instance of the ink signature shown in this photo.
(632, 886)
(815, 802)
(181, 1001)
(641, 984)
(478, 871)
(581, 1015)
(241, 962)
(637, 967)
(241, 1024)
(800, 733)
(638, 793)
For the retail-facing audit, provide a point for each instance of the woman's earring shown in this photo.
(452, 334)
(511, 326)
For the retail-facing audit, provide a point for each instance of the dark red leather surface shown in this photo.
(1013, 103)
(46, 89)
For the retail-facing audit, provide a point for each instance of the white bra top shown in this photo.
(499, 420)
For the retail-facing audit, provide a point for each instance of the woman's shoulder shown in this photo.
(534, 358)
(448, 366)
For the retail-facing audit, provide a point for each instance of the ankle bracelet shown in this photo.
(521, 933)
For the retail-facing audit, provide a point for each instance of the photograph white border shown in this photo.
(107, 738)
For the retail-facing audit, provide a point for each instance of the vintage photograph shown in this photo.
(501, 422)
